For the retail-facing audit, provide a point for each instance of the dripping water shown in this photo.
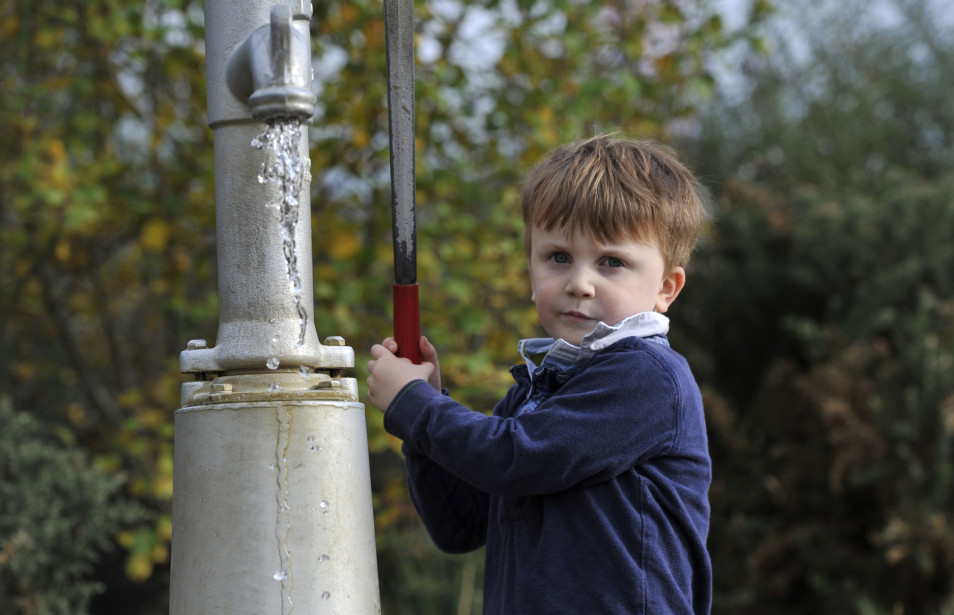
(284, 166)
(282, 520)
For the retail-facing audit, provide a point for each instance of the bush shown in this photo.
(58, 515)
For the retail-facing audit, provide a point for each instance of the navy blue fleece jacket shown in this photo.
(594, 501)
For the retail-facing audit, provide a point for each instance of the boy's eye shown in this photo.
(561, 258)
(612, 261)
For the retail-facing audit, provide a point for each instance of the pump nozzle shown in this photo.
(271, 70)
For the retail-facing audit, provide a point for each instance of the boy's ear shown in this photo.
(533, 293)
(671, 287)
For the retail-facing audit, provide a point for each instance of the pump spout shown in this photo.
(271, 70)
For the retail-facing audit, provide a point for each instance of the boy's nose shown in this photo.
(579, 283)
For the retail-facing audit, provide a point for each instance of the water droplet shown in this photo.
(325, 595)
(271, 466)
(272, 363)
(280, 575)
(275, 339)
(323, 504)
(310, 439)
(325, 557)
(304, 370)
(272, 387)
(314, 448)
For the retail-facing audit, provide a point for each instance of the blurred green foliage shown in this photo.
(818, 313)
(822, 317)
(58, 515)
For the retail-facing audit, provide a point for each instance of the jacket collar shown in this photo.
(563, 354)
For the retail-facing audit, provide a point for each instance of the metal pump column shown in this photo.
(272, 504)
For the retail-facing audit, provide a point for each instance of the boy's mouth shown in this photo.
(578, 316)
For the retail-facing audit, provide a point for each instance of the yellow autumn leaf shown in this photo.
(162, 487)
(10, 27)
(155, 235)
(125, 539)
(76, 413)
(182, 260)
(164, 528)
(63, 251)
(360, 138)
(348, 13)
(160, 553)
(344, 246)
(57, 151)
(139, 567)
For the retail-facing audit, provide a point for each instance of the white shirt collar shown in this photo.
(643, 324)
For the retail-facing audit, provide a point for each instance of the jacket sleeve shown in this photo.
(622, 409)
(454, 512)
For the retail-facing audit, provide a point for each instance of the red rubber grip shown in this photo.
(407, 322)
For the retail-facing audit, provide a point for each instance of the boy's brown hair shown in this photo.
(615, 188)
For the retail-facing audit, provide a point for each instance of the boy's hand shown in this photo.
(387, 374)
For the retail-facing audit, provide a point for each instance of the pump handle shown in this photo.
(407, 323)
(399, 35)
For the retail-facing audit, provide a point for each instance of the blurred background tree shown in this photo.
(818, 317)
(821, 313)
(106, 247)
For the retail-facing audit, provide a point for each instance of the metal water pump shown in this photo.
(272, 505)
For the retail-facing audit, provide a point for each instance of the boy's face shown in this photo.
(578, 282)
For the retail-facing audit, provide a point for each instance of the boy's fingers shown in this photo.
(378, 351)
(425, 345)
(427, 350)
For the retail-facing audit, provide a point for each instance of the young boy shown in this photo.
(588, 484)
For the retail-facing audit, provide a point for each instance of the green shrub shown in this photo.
(58, 515)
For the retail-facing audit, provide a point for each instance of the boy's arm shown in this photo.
(624, 409)
(454, 512)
